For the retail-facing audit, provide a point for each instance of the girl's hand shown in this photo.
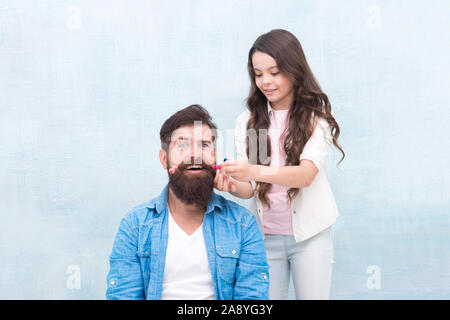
(239, 170)
(224, 183)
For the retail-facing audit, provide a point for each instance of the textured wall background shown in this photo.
(86, 85)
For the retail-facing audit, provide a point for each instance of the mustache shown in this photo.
(201, 166)
(195, 162)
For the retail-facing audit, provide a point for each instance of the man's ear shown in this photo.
(163, 158)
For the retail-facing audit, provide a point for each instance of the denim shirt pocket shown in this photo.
(144, 255)
(144, 250)
(227, 257)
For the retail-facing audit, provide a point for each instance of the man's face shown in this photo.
(192, 142)
(191, 149)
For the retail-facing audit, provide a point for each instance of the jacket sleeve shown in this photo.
(124, 280)
(319, 144)
(252, 271)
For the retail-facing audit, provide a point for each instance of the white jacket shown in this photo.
(314, 208)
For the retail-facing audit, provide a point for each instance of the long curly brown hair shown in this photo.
(309, 98)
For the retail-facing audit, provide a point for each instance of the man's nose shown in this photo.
(196, 153)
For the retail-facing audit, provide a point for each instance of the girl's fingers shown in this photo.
(224, 183)
(232, 186)
(221, 180)
(232, 170)
(228, 163)
(216, 179)
(218, 182)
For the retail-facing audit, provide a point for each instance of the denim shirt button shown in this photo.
(233, 252)
(265, 277)
(112, 282)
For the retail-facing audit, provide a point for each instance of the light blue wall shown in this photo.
(86, 85)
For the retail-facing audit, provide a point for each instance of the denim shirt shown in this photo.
(233, 241)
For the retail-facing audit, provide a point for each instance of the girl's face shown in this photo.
(277, 88)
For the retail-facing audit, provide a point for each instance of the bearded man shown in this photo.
(189, 243)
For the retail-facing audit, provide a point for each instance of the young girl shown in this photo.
(282, 145)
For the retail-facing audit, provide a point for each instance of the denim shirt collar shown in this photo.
(160, 202)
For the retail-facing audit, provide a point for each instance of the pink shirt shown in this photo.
(278, 219)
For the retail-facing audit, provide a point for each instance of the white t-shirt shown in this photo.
(186, 273)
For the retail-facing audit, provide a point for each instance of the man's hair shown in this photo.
(185, 117)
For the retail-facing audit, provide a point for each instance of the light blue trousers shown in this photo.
(310, 262)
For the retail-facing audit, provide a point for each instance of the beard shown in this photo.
(193, 188)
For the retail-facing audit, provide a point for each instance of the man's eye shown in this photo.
(205, 145)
